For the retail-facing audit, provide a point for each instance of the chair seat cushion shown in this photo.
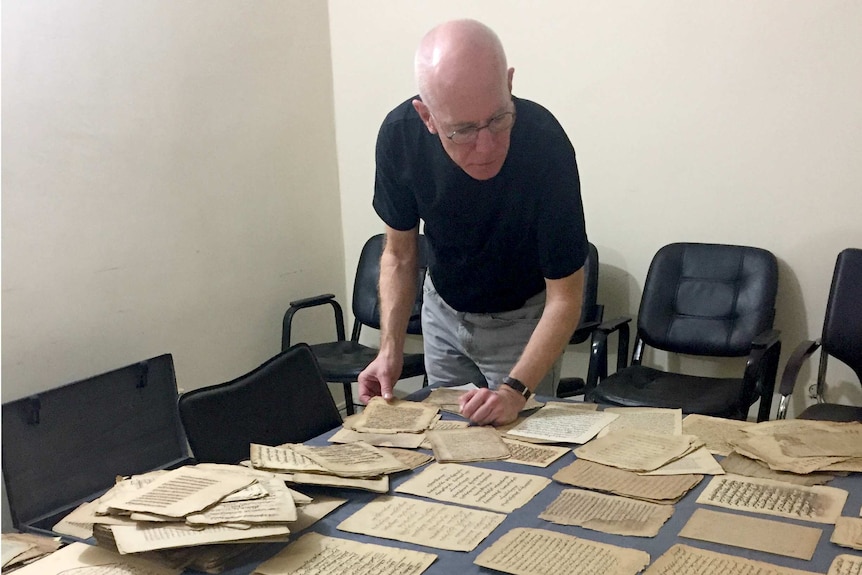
(641, 386)
(342, 361)
(832, 412)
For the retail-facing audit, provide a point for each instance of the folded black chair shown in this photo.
(841, 339)
(285, 400)
(342, 361)
(703, 300)
(591, 317)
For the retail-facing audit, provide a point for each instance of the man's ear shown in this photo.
(425, 114)
(511, 73)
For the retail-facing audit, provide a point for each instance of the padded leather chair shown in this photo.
(841, 339)
(703, 300)
(285, 400)
(591, 317)
(342, 361)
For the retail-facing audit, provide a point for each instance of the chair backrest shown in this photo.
(708, 299)
(366, 302)
(590, 310)
(842, 327)
(285, 400)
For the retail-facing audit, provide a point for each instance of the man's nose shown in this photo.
(484, 140)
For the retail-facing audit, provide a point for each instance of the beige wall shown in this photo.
(730, 122)
(169, 184)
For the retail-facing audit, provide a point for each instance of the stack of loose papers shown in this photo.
(803, 446)
(355, 465)
(197, 506)
(636, 450)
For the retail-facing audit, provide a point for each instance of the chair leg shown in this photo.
(348, 398)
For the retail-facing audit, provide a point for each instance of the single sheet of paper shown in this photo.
(442, 424)
(658, 489)
(403, 440)
(637, 450)
(560, 423)
(848, 532)
(380, 416)
(501, 491)
(845, 439)
(652, 419)
(12, 549)
(321, 555)
(467, 444)
(738, 464)
(754, 533)
(532, 454)
(768, 449)
(83, 559)
(423, 523)
(135, 539)
(700, 462)
(607, 513)
(845, 565)
(717, 433)
(181, 491)
(352, 459)
(282, 458)
(524, 551)
(818, 503)
(684, 559)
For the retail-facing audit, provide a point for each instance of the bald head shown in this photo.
(459, 55)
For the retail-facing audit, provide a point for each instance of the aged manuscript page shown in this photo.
(182, 491)
(818, 503)
(561, 423)
(637, 450)
(532, 454)
(352, 459)
(525, 551)
(467, 444)
(397, 416)
(607, 513)
(474, 486)
(654, 419)
(423, 523)
(746, 532)
(321, 555)
(848, 533)
(681, 559)
(658, 489)
(717, 433)
(846, 565)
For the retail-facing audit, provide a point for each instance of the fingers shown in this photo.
(481, 406)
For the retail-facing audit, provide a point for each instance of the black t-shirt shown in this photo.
(493, 241)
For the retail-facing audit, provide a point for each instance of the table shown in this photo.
(460, 563)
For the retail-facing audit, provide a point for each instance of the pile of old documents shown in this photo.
(180, 513)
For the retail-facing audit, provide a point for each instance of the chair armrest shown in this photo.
(791, 372)
(761, 369)
(312, 301)
(598, 368)
(304, 303)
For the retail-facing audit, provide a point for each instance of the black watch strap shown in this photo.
(518, 386)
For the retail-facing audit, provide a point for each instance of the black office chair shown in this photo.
(285, 400)
(341, 361)
(591, 317)
(707, 300)
(841, 339)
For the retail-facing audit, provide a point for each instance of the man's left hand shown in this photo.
(485, 406)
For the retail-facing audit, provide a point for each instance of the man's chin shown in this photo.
(483, 171)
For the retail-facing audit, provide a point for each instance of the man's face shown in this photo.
(465, 109)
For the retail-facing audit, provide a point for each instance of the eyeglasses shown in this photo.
(497, 124)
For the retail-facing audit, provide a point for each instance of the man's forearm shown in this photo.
(552, 334)
(398, 273)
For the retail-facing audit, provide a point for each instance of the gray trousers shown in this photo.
(479, 348)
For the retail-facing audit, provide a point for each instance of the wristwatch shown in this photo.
(518, 386)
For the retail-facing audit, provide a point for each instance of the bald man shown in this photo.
(495, 180)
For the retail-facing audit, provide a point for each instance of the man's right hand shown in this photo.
(380, 377)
